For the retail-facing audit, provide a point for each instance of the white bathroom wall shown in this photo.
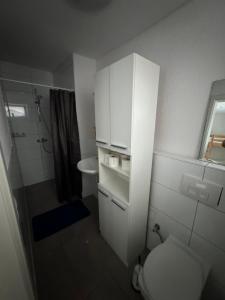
(63, 75)
(197, 225)
(189, 46)
(84, 77)
(36, 165)
(19, 72)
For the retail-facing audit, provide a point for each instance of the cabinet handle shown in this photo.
(118, 146)
(101, 142)
(117, 204)
(104, 194)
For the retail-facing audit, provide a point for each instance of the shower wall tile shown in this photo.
(34, 167)
(28, 148)
(48, 165)
(32, 171)
(29, 127)
(32, 114)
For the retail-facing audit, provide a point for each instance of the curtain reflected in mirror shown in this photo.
(213, 143)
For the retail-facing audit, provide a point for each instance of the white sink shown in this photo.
(88, 165)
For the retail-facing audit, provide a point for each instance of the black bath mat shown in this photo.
(54, 220)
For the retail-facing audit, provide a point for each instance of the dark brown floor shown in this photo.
(76, 263)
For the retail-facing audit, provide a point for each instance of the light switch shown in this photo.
(205, 191)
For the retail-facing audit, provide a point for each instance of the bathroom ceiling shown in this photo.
(42, 33)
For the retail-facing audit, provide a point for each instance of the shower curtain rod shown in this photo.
(36, 84)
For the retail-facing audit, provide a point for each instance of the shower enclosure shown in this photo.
(28, 109)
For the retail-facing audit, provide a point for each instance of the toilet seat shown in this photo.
(173, 272)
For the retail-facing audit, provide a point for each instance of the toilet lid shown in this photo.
(170, 273)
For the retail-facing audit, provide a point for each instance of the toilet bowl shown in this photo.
(172, 271)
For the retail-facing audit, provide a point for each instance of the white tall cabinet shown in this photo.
(125, 111)
(102, 121)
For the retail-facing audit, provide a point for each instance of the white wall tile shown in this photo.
(28, 148)
(33, 166)
(20, 125)
(171, 209)
(32, 171)
(212, 255)
(210, 224)
(217, 175)
(167, 226)
(48, 165)
(168, 171)
(173, 204)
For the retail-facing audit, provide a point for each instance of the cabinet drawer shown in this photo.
(104, 203)
(119, 219)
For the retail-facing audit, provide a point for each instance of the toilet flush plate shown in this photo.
(201, 190)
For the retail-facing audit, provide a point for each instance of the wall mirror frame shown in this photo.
(213, 141)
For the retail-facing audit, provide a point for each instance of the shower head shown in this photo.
(38, 99)
(38, 102)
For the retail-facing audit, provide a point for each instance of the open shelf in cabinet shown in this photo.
(115, 180)
(121, 173)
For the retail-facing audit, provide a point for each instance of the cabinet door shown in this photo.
(121, 91)
(102, 118)
(104, 203)
(119, 239)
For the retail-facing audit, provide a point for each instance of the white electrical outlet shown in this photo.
(201, 190)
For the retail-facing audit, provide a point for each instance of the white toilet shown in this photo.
(172, 271)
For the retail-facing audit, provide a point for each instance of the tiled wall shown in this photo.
(200, 226)
(36, 164)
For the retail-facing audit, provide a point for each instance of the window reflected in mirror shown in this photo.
(215, 148)
(213, 141)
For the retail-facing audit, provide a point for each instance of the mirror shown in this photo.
(213, 142)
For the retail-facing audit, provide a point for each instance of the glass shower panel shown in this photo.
(31, 130)
(19, 197)
(41, 95)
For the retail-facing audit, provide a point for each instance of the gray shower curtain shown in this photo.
(66, 145)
